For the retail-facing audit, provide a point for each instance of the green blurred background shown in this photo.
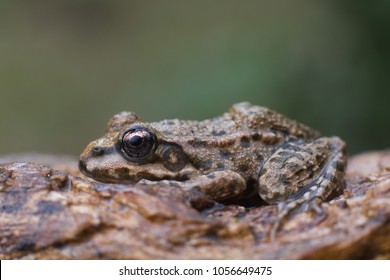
(67, 66)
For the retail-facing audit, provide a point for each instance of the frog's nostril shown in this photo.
(97, 151)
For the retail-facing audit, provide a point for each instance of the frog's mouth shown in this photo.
(115, 169)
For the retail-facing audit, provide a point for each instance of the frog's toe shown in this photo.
(310, 201)
(286, 209)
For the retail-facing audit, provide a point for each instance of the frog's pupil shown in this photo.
(135, 141)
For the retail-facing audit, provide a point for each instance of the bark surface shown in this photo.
(48, 210)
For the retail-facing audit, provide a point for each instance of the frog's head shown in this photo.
(132, 150)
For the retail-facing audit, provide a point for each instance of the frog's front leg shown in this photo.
(301, 175)
(219, 185)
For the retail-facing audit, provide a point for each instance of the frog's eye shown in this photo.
(138, 143)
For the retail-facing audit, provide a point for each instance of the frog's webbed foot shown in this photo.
(300, 176)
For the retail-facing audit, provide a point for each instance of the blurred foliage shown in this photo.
(67, 66)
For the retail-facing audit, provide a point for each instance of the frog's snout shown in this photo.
(98, 160)
(92, 152)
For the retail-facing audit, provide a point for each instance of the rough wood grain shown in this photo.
(55, 213)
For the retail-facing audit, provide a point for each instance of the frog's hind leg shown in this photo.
(300, 176)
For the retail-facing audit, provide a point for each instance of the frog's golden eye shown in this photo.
(138, 143)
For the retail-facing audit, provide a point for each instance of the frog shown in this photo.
(249, 151)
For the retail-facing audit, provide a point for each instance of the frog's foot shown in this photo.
(300, 176)
(284, 210)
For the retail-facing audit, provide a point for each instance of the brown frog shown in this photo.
(227, 157)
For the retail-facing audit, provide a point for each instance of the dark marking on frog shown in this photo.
(123, 171)
(243, 167)
(256, 137)
(196, 142)
(203, 165)
(218, 132)
(225, 154)
(245, 142)
(259, 156)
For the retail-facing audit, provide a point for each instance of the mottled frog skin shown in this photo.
(227, 157)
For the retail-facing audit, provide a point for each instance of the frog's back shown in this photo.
(262, 118)
(241, 117)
